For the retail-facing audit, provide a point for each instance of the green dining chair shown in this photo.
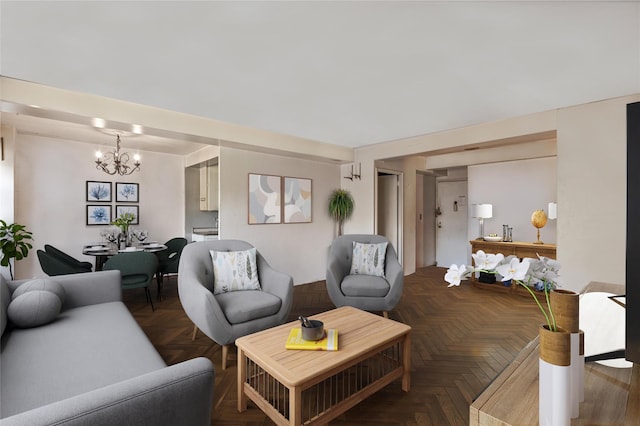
(137, 269)
(63, 257)
(52, 265)
(168, 260)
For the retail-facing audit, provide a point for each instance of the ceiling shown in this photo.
(344, 73)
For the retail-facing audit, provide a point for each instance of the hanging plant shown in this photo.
(340, 207)
(13, 243)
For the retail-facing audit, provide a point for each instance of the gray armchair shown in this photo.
(366, 292)
(227, 316)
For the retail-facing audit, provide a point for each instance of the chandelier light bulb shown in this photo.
(98, 155)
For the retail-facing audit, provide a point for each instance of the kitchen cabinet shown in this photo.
(209, 187)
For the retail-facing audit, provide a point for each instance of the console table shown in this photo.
(517, 248)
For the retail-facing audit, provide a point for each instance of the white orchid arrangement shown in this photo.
(539, 274)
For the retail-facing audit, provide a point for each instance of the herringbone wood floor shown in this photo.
(461, 339)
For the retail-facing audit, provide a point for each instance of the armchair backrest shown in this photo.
(136, 268)
(173, 251)
(196, 263)
(65, 258)
(52, 265)
(341, 251)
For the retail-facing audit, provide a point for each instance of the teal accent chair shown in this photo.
(137, 270)
(56, 262)
(168, 260)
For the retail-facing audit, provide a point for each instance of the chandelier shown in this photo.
(119, 160)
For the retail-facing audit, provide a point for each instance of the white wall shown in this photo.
(592, 144)
(299, 250)
(515, 189)
(6, 182)
(50, 195)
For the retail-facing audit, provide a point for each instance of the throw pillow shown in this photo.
(234, 271)
(42, 284)
(368, 259)
(34, 308)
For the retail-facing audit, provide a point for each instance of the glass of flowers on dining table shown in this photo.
(110, 234)
(140, 234)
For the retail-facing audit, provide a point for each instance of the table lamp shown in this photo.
(538, 220)
(482, 212)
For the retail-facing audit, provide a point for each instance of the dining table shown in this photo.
(102, 251)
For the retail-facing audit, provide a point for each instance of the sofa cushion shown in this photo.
(46, 284)
(84, 349)
(234, 270)
(34, 308)
(364, 286)
(243, 306)
(5, 298)
(368, 259)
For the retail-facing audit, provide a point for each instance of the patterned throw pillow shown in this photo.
(368, 259)
(234, 270)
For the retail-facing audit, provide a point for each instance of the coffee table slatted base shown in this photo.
(327, 398)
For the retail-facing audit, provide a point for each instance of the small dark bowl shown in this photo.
(316, 332)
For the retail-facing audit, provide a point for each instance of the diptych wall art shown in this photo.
(274, 199)
(297, 200)
(264, 199)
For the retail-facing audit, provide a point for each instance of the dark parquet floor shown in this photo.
(462, 338)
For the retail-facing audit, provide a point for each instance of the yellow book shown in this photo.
(329, 343)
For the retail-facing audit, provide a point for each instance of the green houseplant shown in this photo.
(13, 243)
(340, 207)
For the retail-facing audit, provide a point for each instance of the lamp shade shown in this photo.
(482, 211)
(553, 211)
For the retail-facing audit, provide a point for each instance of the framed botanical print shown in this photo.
(98, 191)
(120, 210)
(127, 192)
(98, 214)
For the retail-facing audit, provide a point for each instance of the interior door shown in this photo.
(451, 223)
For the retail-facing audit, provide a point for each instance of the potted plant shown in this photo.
(340, 207)
(13, 243)
(123, 222)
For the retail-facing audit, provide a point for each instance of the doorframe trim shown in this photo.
(400, 206)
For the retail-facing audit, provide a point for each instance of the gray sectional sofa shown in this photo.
(93, 365)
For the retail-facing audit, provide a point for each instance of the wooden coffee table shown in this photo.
(295, 387)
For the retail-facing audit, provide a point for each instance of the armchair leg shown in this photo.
(385, 314)
(225, 352)
(195, 331)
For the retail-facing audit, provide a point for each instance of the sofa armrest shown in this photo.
(179, 394)
(89, 288)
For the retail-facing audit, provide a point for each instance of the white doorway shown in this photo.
(451, 223)
(389, 208)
